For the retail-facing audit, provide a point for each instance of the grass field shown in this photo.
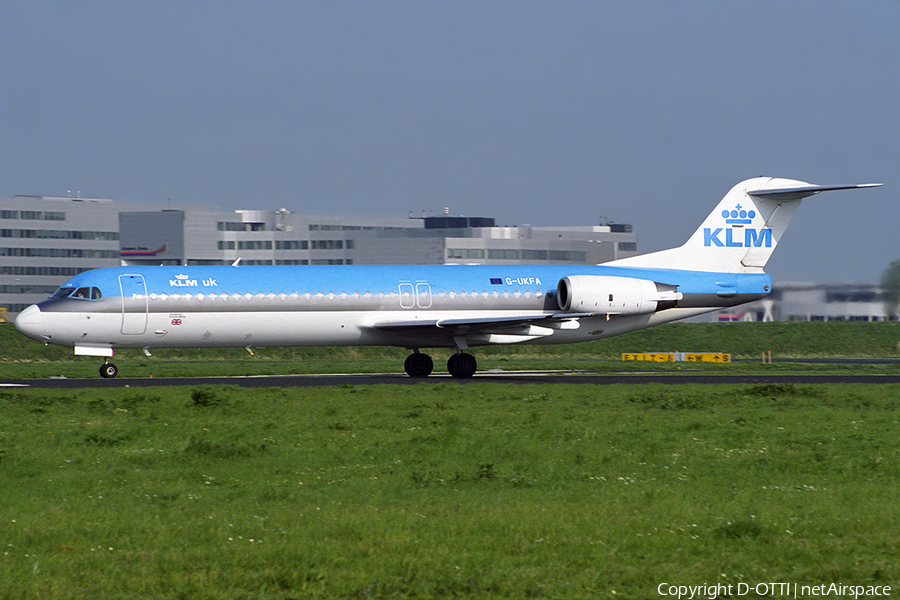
(442, 490)
(433, 491)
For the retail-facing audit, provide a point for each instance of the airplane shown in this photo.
(425, 306)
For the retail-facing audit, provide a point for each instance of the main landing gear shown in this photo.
(418, 365)
(460, 365)
(108, 370)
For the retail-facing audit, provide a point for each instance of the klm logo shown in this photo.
(185, 281)
(738, 216)
(752, 238)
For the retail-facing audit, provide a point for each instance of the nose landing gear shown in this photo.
(108, 370)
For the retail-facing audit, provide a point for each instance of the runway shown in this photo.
(514, 377)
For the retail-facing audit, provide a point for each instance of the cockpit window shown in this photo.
(87, 293)
(82, 293)
(63, 292)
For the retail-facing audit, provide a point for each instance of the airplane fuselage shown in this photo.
(167, 307)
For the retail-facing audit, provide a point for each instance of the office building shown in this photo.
(46, 240)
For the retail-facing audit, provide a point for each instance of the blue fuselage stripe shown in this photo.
(364, 278)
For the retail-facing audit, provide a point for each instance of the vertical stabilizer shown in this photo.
(742, 232)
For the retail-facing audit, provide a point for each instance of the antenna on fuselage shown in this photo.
(235, 263)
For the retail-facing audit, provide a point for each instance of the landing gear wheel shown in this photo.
(418, 365)
(462, 365)
(108, 371)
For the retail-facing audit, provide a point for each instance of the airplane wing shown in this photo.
(462, 326)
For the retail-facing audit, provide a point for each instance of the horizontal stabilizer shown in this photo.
(798, 193)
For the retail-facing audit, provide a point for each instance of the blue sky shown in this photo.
(537, 112)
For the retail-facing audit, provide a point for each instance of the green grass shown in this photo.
(24, 358)
(442, 490)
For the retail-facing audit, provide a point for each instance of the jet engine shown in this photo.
(615, 295)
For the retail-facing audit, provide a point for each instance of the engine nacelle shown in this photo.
(612, 295)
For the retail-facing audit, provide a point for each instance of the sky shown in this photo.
(549, 113)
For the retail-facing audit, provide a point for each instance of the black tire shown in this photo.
(462, 365)
(108, 371)
(418, 365)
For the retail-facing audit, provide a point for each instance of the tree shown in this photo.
(890, 289)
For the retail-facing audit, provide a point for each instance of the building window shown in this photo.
(44, 290)
(568, 255)
(465, 253)
(43, 271)
(33, 215)
(292, 245)
(534, 254)
(229, 226)
(327, 245)
(58, 234)
(255, 245)
(58, 253)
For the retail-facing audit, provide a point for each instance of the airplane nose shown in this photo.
(30, 322)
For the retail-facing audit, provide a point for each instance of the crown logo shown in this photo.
(182, 276)
(738, 216)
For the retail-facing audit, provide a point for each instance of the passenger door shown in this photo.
(134, 304)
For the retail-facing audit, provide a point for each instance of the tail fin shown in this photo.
(743, 230)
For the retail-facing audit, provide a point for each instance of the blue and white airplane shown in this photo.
(441, 306)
